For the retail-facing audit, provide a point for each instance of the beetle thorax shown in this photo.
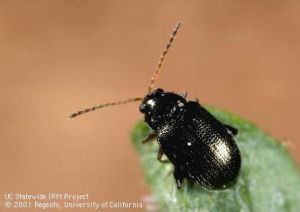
(161, 108)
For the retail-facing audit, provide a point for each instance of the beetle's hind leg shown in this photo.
(150, 137)
(233, 131)
(179, 176)
(160, 154)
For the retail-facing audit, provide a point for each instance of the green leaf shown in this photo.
(269, 179)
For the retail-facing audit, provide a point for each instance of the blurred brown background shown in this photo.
(60, 56)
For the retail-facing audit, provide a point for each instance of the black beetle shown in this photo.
(200, 147)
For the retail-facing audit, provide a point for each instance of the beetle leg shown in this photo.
(183, 94)
(150, 137)
(160, 154)
(195, 100)
(233, 131)
(178, 175)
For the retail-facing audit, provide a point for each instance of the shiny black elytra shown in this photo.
(200, 147)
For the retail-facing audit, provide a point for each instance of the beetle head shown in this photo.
(160, 107)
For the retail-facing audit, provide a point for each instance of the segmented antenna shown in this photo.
(153, 79)
(157, 71)
(105, 105)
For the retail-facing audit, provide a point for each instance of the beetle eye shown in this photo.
(143, 107)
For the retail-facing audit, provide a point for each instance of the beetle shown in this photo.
(201, 148)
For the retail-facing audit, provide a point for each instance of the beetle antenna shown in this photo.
(157, 71)
(73, 115)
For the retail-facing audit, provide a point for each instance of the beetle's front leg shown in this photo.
(150, 137)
